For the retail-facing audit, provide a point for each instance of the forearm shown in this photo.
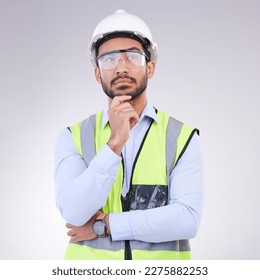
(81, 191)
(179, 219)
(155, 225)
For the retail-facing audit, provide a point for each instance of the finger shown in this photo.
(77, 238)
(69, 225)
(74, 238)
(120, 108)
(133, 121)
(131, 113)
(119, 99)
(71, 233)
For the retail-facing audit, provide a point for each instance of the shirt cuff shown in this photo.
(107, 161)
(120, 227)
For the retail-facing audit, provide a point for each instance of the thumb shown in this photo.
(133, 120)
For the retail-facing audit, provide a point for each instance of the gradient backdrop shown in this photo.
(207, 75)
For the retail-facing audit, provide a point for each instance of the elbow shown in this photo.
(72, 218)
(192, 231)
(193, 226)
(70, 214)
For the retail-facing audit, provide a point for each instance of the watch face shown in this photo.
(99, 228)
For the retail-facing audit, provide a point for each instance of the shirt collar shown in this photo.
(149, 111)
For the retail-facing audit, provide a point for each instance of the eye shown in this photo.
(109, 59)
(133, 56)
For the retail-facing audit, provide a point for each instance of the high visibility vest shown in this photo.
(161, 148)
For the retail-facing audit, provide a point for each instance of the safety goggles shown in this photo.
(132, 58)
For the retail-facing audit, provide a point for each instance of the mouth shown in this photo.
(121, 82)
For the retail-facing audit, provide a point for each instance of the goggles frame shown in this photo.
(122, 51)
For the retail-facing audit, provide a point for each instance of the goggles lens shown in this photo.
(133, 59)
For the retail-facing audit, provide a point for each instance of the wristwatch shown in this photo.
(99, 228)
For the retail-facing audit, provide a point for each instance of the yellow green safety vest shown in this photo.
(164, 143)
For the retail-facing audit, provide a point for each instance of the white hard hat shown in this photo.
(122, 24)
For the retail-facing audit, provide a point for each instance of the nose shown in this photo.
(121, 66)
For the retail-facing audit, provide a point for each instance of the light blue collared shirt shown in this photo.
(81, 191)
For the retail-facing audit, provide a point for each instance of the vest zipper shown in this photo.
(125, 207)
(126, 200)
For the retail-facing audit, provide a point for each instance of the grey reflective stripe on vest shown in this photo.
(175, 245)
(107, 244)
(88, 140)
(87, 136)
(173, 131)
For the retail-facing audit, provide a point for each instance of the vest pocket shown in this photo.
(148, 196)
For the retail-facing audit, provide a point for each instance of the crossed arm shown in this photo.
(79, 202)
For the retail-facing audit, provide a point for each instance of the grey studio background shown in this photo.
(207, 75)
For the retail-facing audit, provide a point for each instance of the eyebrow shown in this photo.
(134, 49)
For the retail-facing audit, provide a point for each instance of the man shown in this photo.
(128, 179)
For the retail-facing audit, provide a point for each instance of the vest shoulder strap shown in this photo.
(178, 138)
(173, 132)
(83, 135)
(75, 132)
(88, 139)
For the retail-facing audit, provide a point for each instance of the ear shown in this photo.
(150, 67)
(98, 75)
